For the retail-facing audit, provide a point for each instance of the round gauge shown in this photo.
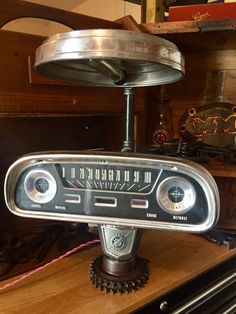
(40, 186)
(176, 195)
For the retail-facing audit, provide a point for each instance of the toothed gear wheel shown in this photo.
(131, 282)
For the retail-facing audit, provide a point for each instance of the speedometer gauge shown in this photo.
(126, 178)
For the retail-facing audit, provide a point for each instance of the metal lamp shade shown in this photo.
(103, 57)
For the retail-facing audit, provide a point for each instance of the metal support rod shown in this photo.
(119, 269)
(128, 143)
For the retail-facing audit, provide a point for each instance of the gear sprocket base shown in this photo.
(125, 283)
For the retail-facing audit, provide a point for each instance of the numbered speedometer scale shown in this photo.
(121, 193)
(113, 178)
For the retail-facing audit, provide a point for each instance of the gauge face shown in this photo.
(113, 178)
(176, 195)
(40, 186)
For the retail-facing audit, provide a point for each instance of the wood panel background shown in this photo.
(209, 48)
(38, 114)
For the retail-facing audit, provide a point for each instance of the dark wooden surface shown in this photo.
(19, 93)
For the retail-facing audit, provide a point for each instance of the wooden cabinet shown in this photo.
(209, 48)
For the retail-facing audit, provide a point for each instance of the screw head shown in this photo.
(163, 306)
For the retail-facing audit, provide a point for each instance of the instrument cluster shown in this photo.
(122, 189)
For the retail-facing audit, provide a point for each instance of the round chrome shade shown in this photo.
(103, 57)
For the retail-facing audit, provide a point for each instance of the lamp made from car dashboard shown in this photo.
(124, 192)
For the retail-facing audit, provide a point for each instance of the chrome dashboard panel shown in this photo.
(135, 190)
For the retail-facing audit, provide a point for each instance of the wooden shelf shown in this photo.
(175, 258)
(220, 169)
(197, 35)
